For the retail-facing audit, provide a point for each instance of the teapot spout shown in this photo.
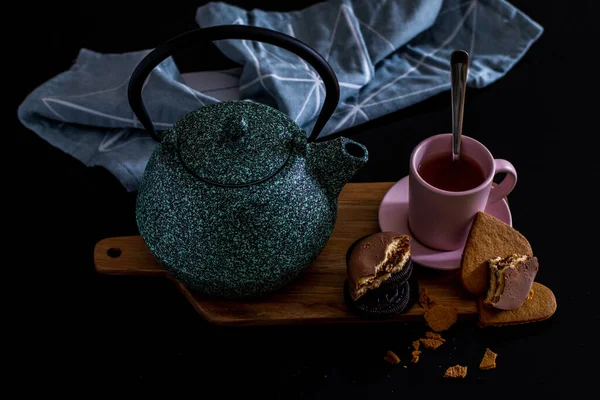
(334, 162)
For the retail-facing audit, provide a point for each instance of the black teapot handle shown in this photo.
(221, 32)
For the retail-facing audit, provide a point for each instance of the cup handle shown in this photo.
(502, 190)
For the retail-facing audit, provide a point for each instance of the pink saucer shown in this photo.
(393, 217)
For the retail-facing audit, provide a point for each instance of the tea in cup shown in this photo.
(445, 195)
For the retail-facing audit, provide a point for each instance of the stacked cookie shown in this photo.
(379, 280)
(499, 267)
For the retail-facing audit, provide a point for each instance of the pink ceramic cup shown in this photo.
(441, 219)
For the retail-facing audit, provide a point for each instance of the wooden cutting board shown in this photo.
(315, 297)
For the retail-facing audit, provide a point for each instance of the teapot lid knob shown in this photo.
(236, 143)
(236, 132)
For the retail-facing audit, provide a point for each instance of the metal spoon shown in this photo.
(459, 65)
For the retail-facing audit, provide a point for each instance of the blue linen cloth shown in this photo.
(387, 55)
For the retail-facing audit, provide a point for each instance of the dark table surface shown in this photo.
(72, 325)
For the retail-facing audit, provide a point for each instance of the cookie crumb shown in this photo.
(530, 295)
(416, 344)
(404, 366)
(433, 335)
(440, 318)
(425, 301)
(431, 344)
(458, 371)
(391, 357)
(415, 356)
(489, 360)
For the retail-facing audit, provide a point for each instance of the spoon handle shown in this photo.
(459, 65)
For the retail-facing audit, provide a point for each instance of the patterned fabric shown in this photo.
(387, 55)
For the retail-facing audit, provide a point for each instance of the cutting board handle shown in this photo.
(126, 255)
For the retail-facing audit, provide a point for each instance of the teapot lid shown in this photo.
(235, 143)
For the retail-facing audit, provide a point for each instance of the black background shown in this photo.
(70, 325)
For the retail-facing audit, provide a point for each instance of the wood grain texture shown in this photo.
(317, 295)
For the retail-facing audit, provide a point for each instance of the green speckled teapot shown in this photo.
(236, 201)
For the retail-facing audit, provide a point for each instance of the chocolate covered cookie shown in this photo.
(375, 259)
(511, 279)
(538, 308)
(383, 302)
(379, 280)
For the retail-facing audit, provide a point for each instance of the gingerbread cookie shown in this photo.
(440, 318)
(431, 344)
(488, 361)
(415, 356)
(488, 238)
(391, 357)
(540, 307)
(432, 341)
(458, 371)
